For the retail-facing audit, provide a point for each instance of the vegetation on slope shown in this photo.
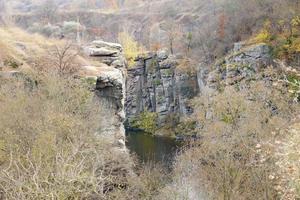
(236, 156)
(49, 148)
(283, 37)
(50, 144)
(131, 48)
(48, 121)
(18, 46)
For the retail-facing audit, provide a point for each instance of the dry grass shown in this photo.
(235, 157)
(21, 51)
(18, 46)
(287, 175)
(49, 149)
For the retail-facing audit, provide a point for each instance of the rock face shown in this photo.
(154, 85)
(243, 63)
(107, 53)
(109, 79)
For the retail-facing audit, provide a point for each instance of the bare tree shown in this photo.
(173, 33)
(60, 59)
(63, 58)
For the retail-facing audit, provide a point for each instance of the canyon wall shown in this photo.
(155, 85)
(108, 76)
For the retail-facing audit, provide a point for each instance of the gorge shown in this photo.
(149, 99)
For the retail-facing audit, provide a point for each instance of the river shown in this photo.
(153, 149)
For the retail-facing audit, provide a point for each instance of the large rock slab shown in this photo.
(108, 45)
(109, 85)
(102, 52)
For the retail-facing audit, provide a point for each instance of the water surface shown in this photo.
(152, 149)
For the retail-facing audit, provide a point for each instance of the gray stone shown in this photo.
(168, 63)
(109, 89)
(1, 65)
(255, 57)
(162, 55)
(9, 74)
(109, 45)
(154, 86)
(238, 46)
(102, 52)
(242, 64)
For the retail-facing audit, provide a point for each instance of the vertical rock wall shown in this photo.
(154, 85)
(109, 76)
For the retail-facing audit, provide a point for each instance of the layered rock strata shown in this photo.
(109, 79)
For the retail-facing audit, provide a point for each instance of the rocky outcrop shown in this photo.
(244, 63)
(154, 85)
(109, 84)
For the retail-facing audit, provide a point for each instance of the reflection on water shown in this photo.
(151, 148)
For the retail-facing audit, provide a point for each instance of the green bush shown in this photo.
(71, 26)
(294, 86)
(147, 122)
(186, 127)
(12, 63)
(48, 30)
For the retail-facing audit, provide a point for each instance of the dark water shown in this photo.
(153, 149)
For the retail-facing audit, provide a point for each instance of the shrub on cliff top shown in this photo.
(131, 47)
(283, 37)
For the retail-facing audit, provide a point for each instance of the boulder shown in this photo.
(162, 55)
(102, 52)
(9, 74)
(107, 45)
(1, 65)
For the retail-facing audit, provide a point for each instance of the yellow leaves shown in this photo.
(295, 21)
(263, 37)
(131, 47)
(282, 36)
(296, 45)
(187, 66)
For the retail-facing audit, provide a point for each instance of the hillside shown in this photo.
(206, 29)
(149, 99)
(18, 46)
